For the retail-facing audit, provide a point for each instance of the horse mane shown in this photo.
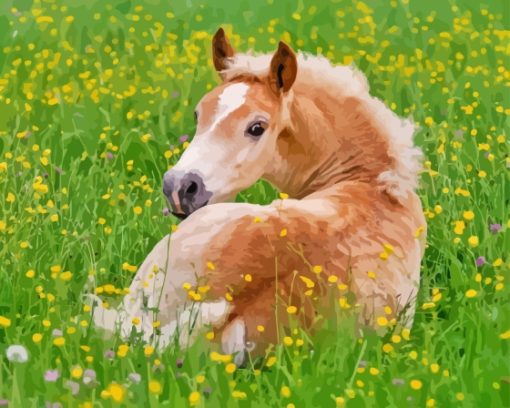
(342, 82)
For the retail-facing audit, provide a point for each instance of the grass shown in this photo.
(94, 99)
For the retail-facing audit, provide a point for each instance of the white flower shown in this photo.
(17, 353)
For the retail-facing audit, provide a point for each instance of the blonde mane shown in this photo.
(347, 81)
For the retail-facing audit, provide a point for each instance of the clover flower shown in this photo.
(480, 261)
(51, 375)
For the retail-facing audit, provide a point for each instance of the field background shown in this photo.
(96, 100)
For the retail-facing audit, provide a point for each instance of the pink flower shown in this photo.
(51, 375)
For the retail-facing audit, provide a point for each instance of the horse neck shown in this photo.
(331, 141)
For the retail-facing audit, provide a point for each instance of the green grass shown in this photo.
(77, 97)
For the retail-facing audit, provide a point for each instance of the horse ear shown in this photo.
(283, 69)
(221, 50)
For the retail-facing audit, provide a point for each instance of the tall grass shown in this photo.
(96, 100)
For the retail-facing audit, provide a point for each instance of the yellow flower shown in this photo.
(37, 337)
(416, 384)
(382, 321)
(473, 241)
(419, 231)
(122, 350)
(284, 196)
(374, 371)
(406, 334)
(428, 305)
(387, 348)
(340, 401)
(59, 341)
(350, 393)
(4, 321)
(308, 282)
(238, 394)
(468, 215)
(388, 248)
(288, 341)
(155, 387)
(505, 335)
(497, 262)
(116, 391)
(148, 350)
(459, 227)
(271, 361)
(471, 293)
(283, 232)
(317, 269)
(76, 372)
(137, 210)
(128, 267)
(431, 402)
(292, 310)
(248, 277)
(194, 398)
(230, 368)
(66, 276)
(260, 328)
(224, 358)
(285, 392)
(200, 379)
(343, 303)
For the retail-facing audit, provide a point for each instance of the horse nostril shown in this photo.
(192, 188)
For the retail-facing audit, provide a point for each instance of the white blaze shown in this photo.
(205, 156)
(230, 99)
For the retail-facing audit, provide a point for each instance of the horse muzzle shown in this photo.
(185, 192)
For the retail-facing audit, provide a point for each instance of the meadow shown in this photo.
(96, 103)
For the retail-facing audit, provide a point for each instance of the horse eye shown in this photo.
(256, 129)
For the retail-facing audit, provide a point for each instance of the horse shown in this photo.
(348, 215)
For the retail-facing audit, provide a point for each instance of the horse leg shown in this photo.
(157, 306)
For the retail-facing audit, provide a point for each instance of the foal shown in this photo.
(347, 163)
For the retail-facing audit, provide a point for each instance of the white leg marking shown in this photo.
(233, 340)
(191, 320)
